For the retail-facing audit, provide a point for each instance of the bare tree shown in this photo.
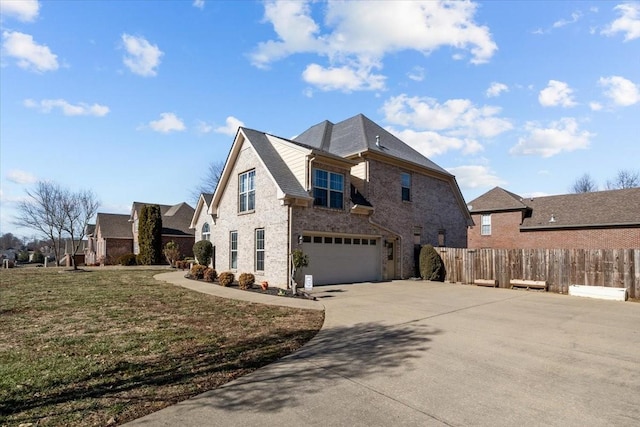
(42, 211)
(78, 209)
(624, 179)
(210, 181)
(584, 184)
(57, 213)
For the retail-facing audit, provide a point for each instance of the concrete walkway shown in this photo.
(432, 354)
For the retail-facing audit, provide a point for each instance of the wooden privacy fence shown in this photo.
(559, 267)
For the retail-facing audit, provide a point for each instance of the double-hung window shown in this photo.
(486, 225)
(206, 231)
(405, 182)
(260, 249)
(233, 249)
(247, 191)
(328, 189)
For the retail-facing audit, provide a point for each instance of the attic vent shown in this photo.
(553, 218)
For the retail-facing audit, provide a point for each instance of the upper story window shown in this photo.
(328, 189)
(206, 231)
(405, 182)
(247, 191)
(485, 229)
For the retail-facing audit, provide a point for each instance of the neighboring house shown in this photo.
(110, 238)
(202, 221)
(596, 220)
(81, 251)
(356, 200)
(175, 226)
(114, 235)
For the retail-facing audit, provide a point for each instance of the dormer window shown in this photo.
(247, 191)
(328, 189)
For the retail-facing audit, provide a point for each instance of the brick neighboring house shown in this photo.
(175, 226)
(353, 197)
(111, 237)
(596, 220)
(114, 235)
(202, 221)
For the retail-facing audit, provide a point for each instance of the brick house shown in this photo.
(596, 220)
(350, 195)
(202, 221)
(117, 234)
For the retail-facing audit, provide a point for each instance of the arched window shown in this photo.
(206, 232)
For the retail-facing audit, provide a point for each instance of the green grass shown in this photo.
(110, 345)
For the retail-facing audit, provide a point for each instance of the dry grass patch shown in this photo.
(108, 346)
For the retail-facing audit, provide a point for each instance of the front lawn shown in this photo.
(106, 346)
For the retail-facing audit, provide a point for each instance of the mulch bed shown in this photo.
(278, 292)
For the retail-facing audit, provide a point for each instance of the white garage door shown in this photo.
(340, 259)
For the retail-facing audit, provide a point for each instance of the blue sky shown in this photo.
(134, 99)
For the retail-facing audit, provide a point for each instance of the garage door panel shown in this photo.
(331, 263)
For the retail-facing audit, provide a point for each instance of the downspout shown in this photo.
(375, 224)
(309, 173)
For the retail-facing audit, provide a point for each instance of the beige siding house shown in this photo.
(353, 197)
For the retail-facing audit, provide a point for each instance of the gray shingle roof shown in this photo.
(175, 218)
(114, 226)
(600, 208)
(358, 134)
(497, 199)
(281, 173)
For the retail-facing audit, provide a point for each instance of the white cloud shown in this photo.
(575, 17)
(80, 109)
(595, 106)
(475, 176)
(203, 127)
(343, 78)
(496, 89)
(30, 55)
(416, 74)
(556, 94)
(621, 91)
(231, 126)
(23, 10)
(21, 177)
(559, 136)
(168, 122)
(198, 3)
(357, 35)
(628, 22)
(433, 128)
(457, 116)
(142, 57)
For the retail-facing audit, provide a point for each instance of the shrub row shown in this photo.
(226, 278)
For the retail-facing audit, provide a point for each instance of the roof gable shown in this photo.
(204, 201)
(175, 218)
(495, 200)
(113, 226)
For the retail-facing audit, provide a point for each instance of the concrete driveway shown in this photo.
(432, 354)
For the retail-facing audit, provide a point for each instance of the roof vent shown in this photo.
(553, 218)
(378, 141)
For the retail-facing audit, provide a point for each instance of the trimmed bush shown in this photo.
(203, 250)
(226, 278)
(126, 259)
(172, 253)
(197, 271)
(210, 275)
(431, 265)
(246, 280)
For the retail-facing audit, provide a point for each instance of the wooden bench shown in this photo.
(528, 284)
(486, 282)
